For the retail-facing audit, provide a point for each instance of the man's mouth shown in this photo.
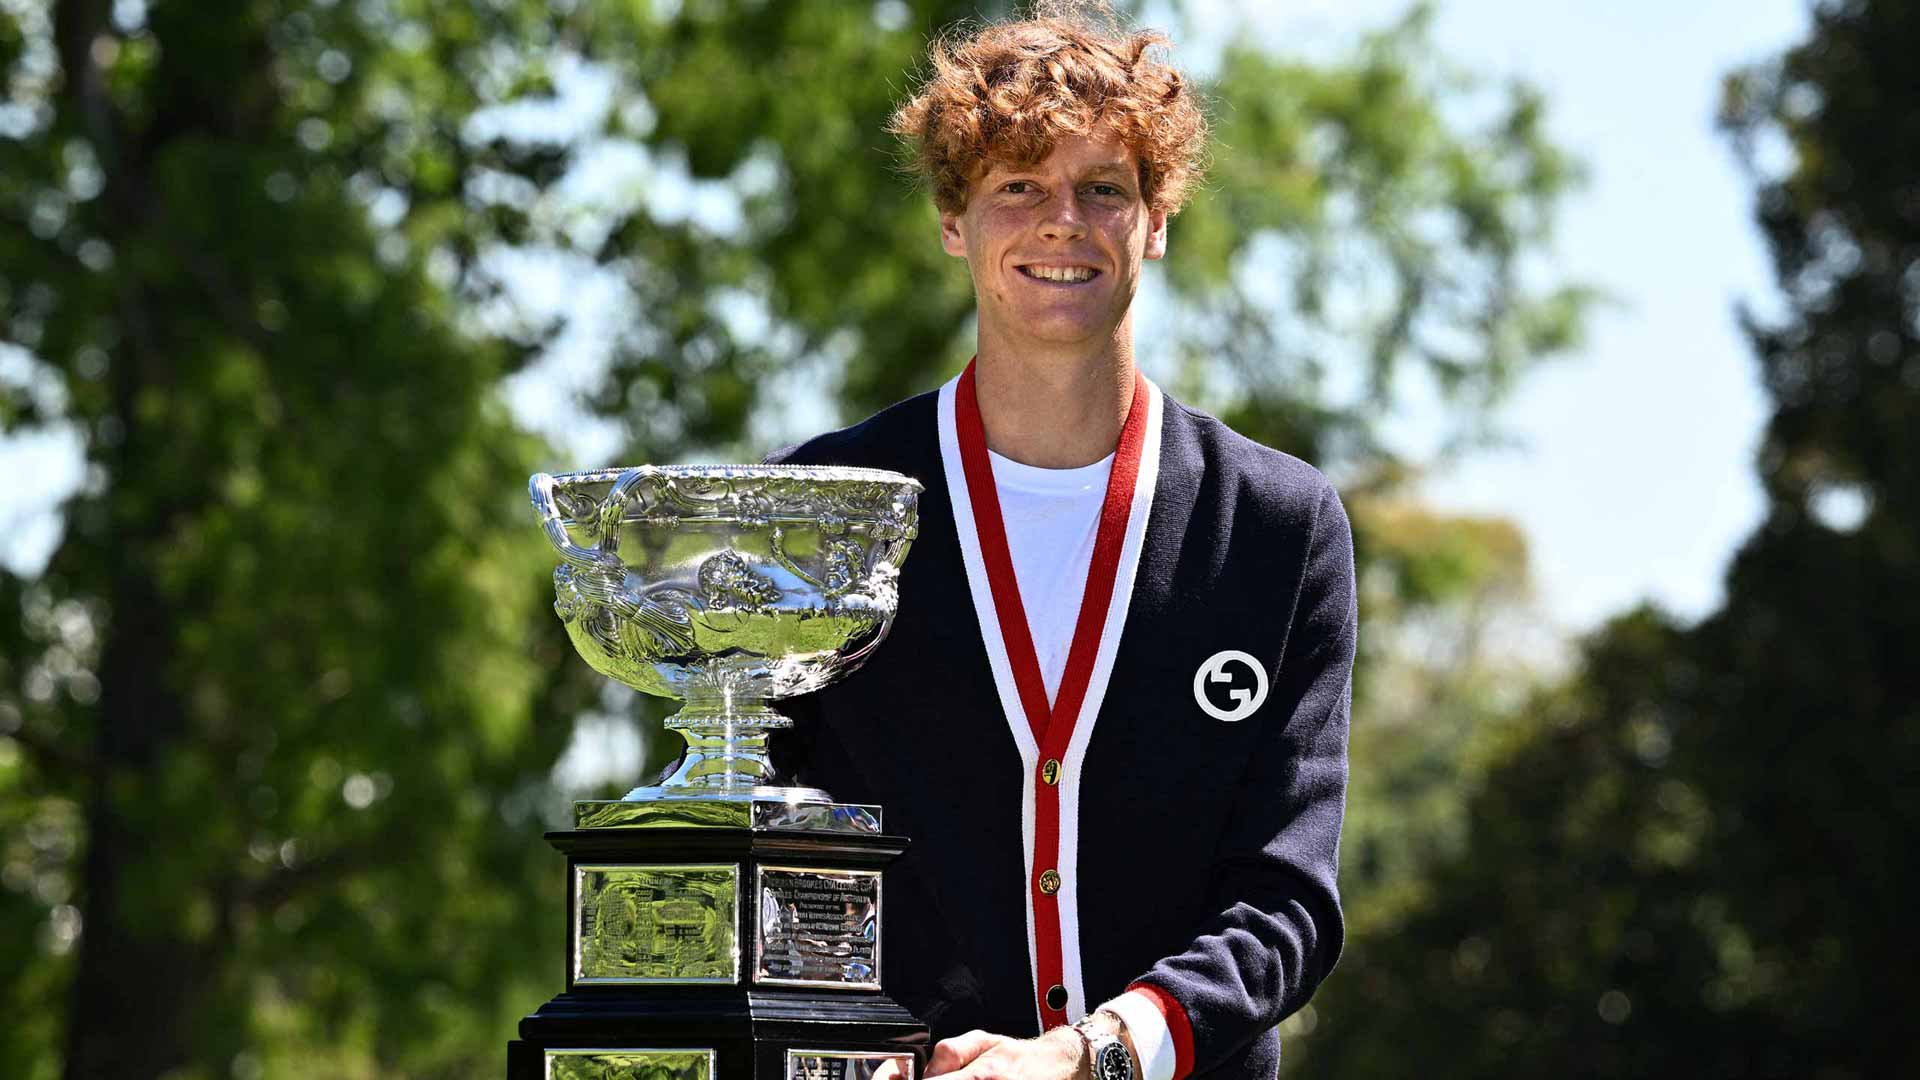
(1061, 275)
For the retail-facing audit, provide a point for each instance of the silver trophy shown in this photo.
(729, 587)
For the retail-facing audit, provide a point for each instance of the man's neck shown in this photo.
(1057, 410)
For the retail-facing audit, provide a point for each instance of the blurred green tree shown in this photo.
(1694, 857)
(1807, 737)
(270, 775)
(279, 717)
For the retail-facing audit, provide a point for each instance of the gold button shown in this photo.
(1056, 997)
(1050, 882)
(1050, 772)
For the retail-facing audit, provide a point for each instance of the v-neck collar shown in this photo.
(1052, 750)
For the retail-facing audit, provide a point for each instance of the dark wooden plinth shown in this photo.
(750, 1027)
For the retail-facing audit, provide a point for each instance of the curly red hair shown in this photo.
(1009, 91)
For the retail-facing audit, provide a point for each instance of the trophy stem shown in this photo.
(726, 756)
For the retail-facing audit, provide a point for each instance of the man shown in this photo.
(1112, 712)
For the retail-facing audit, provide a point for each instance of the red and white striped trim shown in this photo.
(1061, 729)
(1161, 1033)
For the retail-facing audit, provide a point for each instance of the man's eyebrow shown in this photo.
(1001, 170)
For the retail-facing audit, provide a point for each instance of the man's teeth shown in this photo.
(1068, 274)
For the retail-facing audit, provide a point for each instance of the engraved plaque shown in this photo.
(655, 924)
(836, 1065)
(818, 928)
(630, 1065)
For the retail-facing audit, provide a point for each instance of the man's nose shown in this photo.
(1063, 221)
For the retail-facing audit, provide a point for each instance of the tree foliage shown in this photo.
(271, 749)
(279, 717)
(1693, 858)
(1355, 223)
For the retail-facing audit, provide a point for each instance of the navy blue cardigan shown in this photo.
(1202, 853)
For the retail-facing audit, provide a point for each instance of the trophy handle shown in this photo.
(613, 508)
(598, 575)
(604, 558)
(547, 509)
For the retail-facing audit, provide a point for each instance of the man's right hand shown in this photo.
(953, 1054)
(1060, 1054)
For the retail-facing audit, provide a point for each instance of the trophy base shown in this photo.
(769, 1035)
(716, 938)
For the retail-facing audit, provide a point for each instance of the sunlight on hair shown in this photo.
(1009, 91)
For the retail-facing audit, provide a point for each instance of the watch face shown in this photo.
(1112, 1062)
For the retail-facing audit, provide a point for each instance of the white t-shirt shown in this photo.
(1052, 517)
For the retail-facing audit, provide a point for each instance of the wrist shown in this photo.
(1109, 1053)
(1073, 1042)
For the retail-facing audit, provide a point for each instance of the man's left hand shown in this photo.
(1060, 1054)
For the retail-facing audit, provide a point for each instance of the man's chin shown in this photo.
(1041, 329)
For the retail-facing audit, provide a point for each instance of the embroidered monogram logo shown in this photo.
(1227, 672)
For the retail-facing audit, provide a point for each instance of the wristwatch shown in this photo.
(1106, 1054)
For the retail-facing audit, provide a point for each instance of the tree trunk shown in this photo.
(135, 995)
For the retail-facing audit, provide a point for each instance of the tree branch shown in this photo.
(76, 25)
(348, 858)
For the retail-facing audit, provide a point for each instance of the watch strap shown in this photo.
(1107, 1055)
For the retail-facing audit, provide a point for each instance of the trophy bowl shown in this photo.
(728, 587)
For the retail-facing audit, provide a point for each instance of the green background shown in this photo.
(279, 718)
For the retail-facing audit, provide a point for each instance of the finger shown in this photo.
(955, 1053)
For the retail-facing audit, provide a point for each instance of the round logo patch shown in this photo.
(1228, 671)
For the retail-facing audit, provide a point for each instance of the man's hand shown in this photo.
(1060, 1054)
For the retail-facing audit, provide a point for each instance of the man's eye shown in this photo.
(1015, 187)
(1106, 189)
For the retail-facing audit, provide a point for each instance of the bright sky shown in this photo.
(1633, 477)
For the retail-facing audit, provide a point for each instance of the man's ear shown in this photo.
(1156, 234)
(950, 238)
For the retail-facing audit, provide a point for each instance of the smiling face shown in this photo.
(1055, 248)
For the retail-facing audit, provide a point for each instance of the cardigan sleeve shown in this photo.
(1277, 927)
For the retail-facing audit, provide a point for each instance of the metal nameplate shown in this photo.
(608, 1064)
(839, 1065)
(817, 927)
(655, 924)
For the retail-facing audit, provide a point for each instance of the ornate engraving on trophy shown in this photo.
(836, 1065)
(729, 587)
(630, 1065)
(655, 924)
(817, 927)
